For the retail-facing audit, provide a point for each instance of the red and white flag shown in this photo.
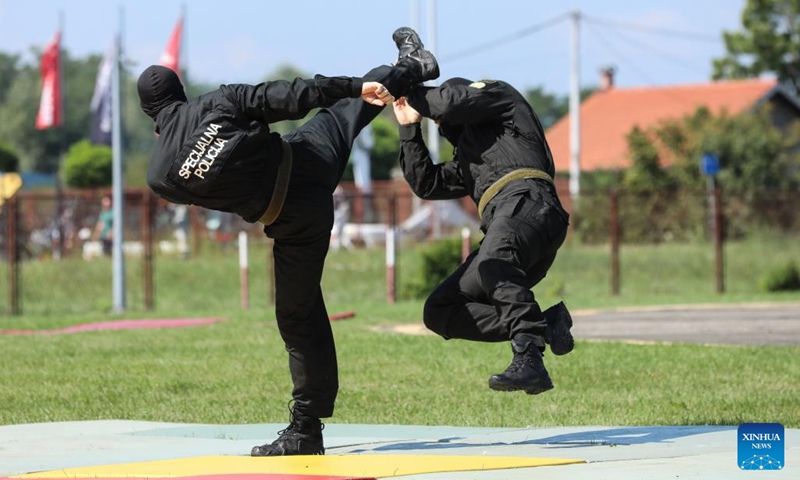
(49, 115)
(171, 56)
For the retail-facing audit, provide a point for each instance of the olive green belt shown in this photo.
(281, 186)
(497, 186)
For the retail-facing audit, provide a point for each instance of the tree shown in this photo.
(646, 171)
(549, 107)
(8, 71)
(87, 165)
(770, 42)
(753, 152)
(9, 161)
(40, 150)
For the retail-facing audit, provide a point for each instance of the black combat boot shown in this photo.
(559, 322)
(303, 436)
(526, 371)
(412, 54)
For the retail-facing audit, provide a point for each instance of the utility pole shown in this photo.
(433, 129)
(118, 258)
(574, 110)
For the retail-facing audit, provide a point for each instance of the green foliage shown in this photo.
(646, 171)
(549, 107)
(87, 165)
(437, 261)
(387, 148)
(8, 72)
(783, 278)
(753, 152)
(9, 162)
(769, 42)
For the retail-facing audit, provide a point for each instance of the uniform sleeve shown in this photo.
(463, 104)
(428, 181)
(278, 100)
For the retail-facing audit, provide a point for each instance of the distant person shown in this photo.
(502, 161)
(217, 151)
(103, 229)
(180, 220)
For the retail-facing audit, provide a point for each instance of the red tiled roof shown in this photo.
(608, 116)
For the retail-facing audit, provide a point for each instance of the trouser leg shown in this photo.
(301, 245)
(489, 297)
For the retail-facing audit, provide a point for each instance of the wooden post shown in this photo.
(391, 251)
(466, 243)
(613, 233)
(147, 239)
(243, 270)
(718, 264)
(12, 253)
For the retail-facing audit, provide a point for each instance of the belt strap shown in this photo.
(497, 186)
(281, 186)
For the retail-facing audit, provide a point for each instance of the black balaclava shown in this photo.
(449, 131)
(159, 87)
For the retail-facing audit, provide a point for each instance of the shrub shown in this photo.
(438, 261)
(9, 162)
(87, 165)
(782, 278)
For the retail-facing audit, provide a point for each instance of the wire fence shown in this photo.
(53, 261)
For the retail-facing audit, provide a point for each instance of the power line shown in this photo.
(633, 65)
(654, 30)
(468, 52)
(652, 50)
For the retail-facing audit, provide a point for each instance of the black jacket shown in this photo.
(217, 150)
(494, 130)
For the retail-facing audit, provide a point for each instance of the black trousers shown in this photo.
(320, 148)
(489, 298)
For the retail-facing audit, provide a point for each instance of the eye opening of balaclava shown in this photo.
(158, 87)
(449, 131)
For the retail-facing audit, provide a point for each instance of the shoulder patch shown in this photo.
(477, 84)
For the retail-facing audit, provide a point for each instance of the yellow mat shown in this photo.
(379, 466)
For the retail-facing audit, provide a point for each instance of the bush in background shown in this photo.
(437, 261)
(87, 165)
(9, 161)
(784, 278)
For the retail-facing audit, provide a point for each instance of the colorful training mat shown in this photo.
(315, 467)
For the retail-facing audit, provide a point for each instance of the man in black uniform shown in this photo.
(503, 162)
(217, 151)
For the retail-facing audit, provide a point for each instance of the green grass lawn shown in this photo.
(236, 371)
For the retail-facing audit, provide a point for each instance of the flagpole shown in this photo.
(117, 176)
(57, 254)
(182, 52)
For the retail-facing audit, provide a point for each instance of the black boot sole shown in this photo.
(499, 385)
(561, 340)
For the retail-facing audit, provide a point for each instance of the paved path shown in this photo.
(751, 324)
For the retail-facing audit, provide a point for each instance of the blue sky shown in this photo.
(235, 41)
